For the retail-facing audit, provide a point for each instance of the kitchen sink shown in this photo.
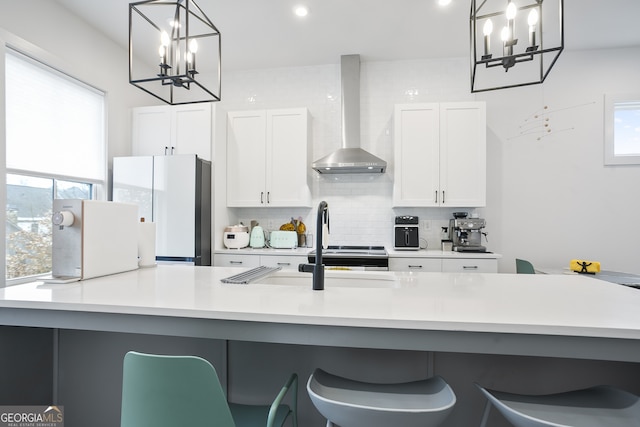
(341, 279)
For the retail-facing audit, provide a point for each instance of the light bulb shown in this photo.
(504, 35)
(488, 28)
(193, 46)
(164, 39)
(161, 51)
(301, 11)
(511, 10)
(533, 17)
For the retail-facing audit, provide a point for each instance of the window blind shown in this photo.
(55, 124)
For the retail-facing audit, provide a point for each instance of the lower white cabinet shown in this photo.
(418, 264)
(446, 265)
(415, 264)
(240, 260)
(286, 262)
(469, 265)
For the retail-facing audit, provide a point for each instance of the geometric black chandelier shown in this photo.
(510, 46)
(174, 51)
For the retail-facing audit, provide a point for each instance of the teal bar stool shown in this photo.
(170, 391)
(524, 267)
(600, 406)
(348, 403)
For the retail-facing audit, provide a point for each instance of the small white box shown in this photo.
(93, 238)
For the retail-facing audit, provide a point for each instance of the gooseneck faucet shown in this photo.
(318, 268)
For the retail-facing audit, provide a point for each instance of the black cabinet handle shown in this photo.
(262, 197)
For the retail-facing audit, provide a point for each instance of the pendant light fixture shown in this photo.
(174, 51)
(520, 52)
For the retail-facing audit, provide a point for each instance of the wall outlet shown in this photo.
(425, 224)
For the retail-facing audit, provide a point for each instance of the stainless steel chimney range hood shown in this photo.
(350, 158)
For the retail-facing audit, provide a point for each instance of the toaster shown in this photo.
(283, 239)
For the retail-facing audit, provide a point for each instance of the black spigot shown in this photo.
(318, 268)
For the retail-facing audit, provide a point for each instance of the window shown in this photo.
(55, 148)
(622, 129)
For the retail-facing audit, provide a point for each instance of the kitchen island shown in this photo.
(546, 316)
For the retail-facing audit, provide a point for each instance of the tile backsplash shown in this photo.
(360, 206)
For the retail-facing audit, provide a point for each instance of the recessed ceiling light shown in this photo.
(301, 11)
(444, 2)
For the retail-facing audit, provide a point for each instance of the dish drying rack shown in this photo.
(250, 275)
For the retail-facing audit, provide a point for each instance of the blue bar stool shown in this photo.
(349, 403)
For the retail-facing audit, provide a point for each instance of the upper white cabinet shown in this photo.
(267, 158)
(440, 154)
(179, 129)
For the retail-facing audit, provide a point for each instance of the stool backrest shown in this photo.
(169, 391)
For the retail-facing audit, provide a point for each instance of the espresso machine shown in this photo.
(466, 233)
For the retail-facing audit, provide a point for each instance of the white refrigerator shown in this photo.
(175, 193)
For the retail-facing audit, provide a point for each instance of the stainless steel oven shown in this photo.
(367, 258)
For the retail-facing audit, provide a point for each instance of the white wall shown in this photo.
(50, 33)
(549, 200)
(80, 51)
(553, 198)
(360, 206)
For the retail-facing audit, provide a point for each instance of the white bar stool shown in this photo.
(600, 406)
(349, 403)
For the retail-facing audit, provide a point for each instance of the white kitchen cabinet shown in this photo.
(440, 261)
(268, 158)
(286, 262)
(469, 265)
(415, 264)
(440, 155)
(233, 260)
(179, 129)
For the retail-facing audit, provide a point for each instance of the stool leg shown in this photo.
(485, 415)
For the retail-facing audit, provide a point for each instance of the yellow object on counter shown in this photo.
(288, 227)
(582, 266)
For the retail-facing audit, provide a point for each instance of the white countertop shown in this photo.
(544, 315)
(505, 303)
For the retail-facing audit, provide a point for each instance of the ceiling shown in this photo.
(266, 33)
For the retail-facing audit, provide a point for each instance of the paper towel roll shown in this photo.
(325, 236)
(146, 244)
